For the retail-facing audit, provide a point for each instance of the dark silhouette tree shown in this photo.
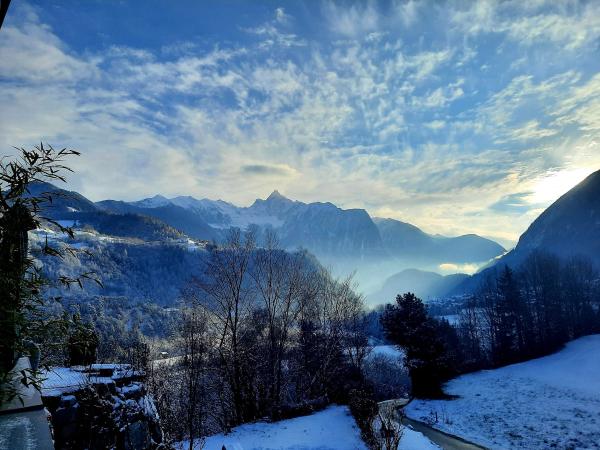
(429, 362)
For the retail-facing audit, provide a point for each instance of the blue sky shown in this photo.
(455, 116)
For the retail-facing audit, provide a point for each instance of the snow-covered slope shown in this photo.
(547, 403)
(331, 429)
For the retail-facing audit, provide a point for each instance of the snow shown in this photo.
(110, 366)
(549, 402)
(331, 429)
(227, 215)
(64, 380)
(413, 440)
(61, 380)
(391, 351)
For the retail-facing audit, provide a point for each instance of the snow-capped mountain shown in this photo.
(324, 229)
(347, 240)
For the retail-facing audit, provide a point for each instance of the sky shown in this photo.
(458, 117)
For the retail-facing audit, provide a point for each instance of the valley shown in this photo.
(299, 225)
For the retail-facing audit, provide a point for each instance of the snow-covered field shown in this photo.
(547, 403)
(331, 429)
(390, 351)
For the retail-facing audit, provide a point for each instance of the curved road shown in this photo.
(444, 440)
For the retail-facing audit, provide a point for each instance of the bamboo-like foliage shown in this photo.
(23, 323)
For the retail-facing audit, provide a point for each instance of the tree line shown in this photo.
(532, 311)
(516, 315)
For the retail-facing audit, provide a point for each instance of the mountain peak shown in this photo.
(152, 202)
(276, 195)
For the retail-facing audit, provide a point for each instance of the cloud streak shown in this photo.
(444, 130)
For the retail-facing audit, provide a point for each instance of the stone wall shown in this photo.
(101, 406)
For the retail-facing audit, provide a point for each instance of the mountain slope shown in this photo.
(327, 230)
(175, 216)
(544, 403)
(406, 241)
(70, 207)
(568, 227)
(424, 284)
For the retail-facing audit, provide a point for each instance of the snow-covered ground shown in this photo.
(390, 351)
(547, 403)
(331, 429)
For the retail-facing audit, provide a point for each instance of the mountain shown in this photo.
(322, 228)
(138, 258)
(424, 284)
(568, 227)
(332, 233)
(73, 209)
(182, 219)
(405, 241)
(347, 240)
(327, 231)
(60, 201)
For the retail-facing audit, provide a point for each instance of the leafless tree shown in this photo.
(282, 283)
(194, 344)
(225, 290)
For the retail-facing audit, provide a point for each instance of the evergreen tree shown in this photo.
(427, 358)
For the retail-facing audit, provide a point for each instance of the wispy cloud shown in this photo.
(413, 110)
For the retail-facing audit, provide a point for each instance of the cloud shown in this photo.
(569, 24)
(516, 203)
(352, 21)
(281, 170)
(451, 268)
(381, 116)
(37, 56)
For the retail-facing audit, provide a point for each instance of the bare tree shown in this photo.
(390, 428)
(225, 290)
(282, 285)
(194, 344)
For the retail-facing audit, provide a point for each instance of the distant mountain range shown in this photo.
(423, 284)
(346, 239)
(404, 240)
(324, 229)
(379, 249)
(568, 227)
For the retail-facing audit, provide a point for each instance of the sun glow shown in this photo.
(552, 185)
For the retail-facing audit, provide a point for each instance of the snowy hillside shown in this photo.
(141, 271)
(331, 429)
(550, 402)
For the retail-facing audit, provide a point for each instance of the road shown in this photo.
(444, 440)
